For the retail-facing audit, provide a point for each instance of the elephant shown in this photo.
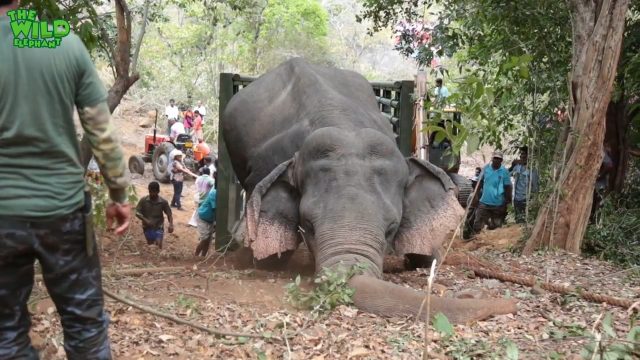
(319, 164)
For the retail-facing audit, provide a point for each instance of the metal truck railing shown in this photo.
(395, 102)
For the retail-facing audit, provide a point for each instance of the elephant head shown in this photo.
(352, 197)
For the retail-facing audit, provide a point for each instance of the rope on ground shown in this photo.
(531, 281)
(181, 321)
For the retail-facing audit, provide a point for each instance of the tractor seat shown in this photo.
(183, 138)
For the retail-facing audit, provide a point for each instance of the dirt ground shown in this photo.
(227, 292)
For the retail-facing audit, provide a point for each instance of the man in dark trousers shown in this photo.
(495, 183)
(45, 213)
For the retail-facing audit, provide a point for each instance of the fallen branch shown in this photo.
(531, 281)
(181, 321)
(137, 271)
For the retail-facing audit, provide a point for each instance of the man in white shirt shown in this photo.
(177, 128)
(200, 108)
(172, 110)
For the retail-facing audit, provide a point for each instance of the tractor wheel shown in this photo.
(160, 162)
(136, 164)
(464, 188)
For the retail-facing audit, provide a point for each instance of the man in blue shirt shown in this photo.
(495, 183)
(441, 93)
(526, 183)
(206, 222)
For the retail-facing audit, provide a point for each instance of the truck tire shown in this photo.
(465, 188)
(160, 162)
(136, 164)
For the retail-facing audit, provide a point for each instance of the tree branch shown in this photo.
(136, 52)
(123, 22)
(179, 65)
(106, 42)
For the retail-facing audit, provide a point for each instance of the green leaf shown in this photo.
(512, 350)
(440, 135)
(442, 324)
(607, 326)
(473, 143)
(634, 334)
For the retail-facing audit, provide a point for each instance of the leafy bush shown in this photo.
(331, 290)
(615, 236)
(463, 348)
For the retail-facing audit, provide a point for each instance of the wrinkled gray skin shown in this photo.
(311, 148)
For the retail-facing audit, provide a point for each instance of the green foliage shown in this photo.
(331, 290)
(514, 58)
(463, 348)
(401, 340)
(100, 200)
(609, 346)
(187, 303)
(615, 236)
(72, 11)
(185, 52)
(442, 325)
(289, 28)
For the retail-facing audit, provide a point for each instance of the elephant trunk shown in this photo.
(350, 245)
(387, 299)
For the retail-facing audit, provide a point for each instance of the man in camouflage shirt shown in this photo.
(44, 212)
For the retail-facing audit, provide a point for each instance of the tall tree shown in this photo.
(597, 28)
(496, 35)
(97, 31)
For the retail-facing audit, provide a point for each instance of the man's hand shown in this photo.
(170, 228)
(121, 214)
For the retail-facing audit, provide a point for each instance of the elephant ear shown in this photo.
(272, 214)
(430, 215)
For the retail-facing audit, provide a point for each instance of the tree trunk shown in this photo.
(597, 37)
(616, 139)
(122, 62)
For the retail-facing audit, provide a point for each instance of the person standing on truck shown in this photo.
(496, 187)
(53, 223)
(441, 93)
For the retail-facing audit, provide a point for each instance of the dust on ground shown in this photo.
(226, 291)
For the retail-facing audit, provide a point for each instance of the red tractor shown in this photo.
(156, 151)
